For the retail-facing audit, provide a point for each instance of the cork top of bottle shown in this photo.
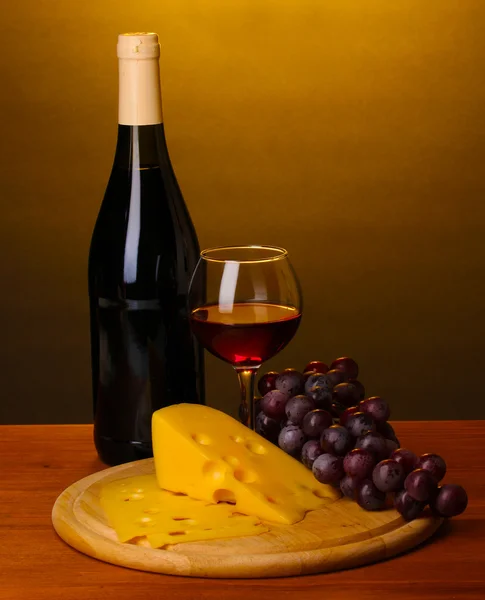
(138, 45)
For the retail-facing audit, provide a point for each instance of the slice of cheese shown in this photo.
(136, 506)
(206, 454)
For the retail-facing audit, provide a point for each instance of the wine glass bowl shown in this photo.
(245, 306)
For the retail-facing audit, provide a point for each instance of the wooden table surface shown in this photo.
(39, 462)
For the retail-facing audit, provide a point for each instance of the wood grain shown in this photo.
(339, 536)
(38, 462)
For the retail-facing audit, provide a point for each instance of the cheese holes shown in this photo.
(256, 448)
(176, 533)
(151, 511)
(231, 460)
(238, 439)
(271, 500)
(145, 522)
(223, 495)
(186, 520)
(245, 475)
(214, 470)
(201, 438)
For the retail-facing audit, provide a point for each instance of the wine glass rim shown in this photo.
(279, 253)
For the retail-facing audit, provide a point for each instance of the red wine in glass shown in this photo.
(249, 335)
(245, 306)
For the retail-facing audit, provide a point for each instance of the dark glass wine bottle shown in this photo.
(143, 252)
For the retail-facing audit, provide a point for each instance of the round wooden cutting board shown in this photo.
(339, 536)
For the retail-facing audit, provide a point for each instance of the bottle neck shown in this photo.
(140, 130)
(139, 92)
(140, 147)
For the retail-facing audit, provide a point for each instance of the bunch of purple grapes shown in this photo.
(321, 417)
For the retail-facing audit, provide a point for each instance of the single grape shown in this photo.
(450, 501)
(297, 407)
(267, 382)
(374, 443)
(311, 450)
(407, 506)
(347, 365)
(434, 464)
(291, 439)
(388, 476)
(273, 404)
(377, 408)
(315, 422)
(317, 379)
(359, 463)
(420, 485)
(267, 427)
(387, 430)
(321, 396)
(360, 387)
(349, 485)
(369, 497)
(406, 458)
(346, 414)
(290, 382)
(316, 366)
(346, 394)
(336, 440)
(328, 468)
(335, 376)
(360, 423)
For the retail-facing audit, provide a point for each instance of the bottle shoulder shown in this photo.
(144, 237)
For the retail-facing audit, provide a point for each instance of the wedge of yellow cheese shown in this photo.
(137, 507)
(206, 454)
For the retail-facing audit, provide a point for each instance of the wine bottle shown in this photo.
(143, 251)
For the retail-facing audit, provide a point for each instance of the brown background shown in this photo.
(352, 132)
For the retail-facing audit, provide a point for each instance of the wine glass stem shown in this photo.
(246, 378)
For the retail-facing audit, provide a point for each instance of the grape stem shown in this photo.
(246, 378)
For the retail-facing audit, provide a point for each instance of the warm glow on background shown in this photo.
(352, 133)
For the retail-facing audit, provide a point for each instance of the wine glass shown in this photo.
(245, 306)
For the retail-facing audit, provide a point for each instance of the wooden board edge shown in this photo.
(283, 564)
